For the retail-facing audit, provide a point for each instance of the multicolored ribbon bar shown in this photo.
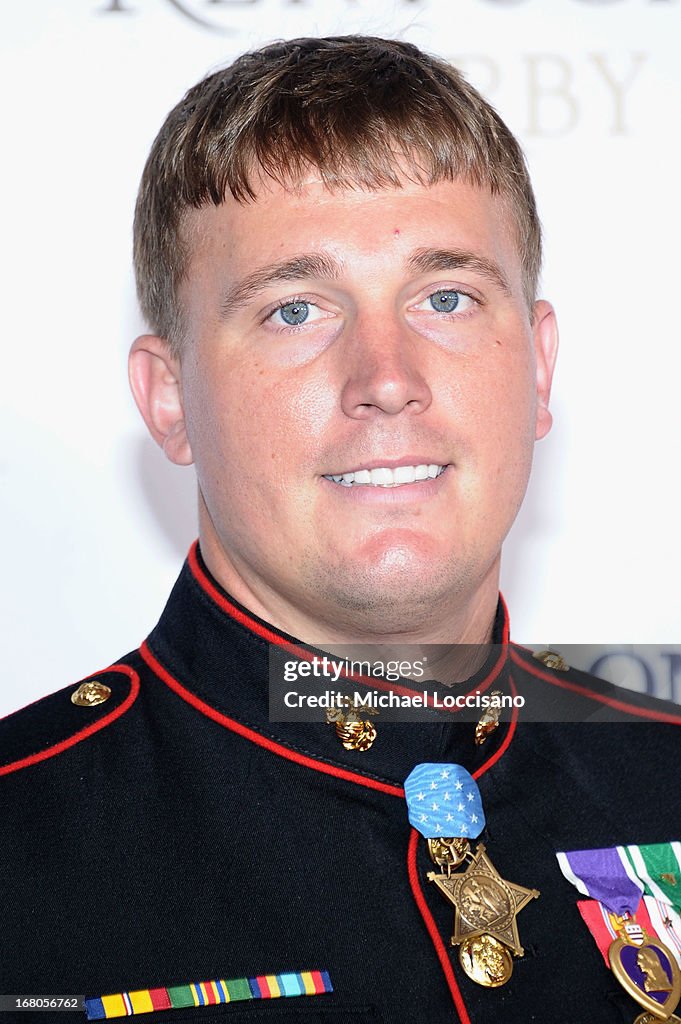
(208, 993)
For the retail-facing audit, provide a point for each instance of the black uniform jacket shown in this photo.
(173, 835)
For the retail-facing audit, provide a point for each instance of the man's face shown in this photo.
(382, 334)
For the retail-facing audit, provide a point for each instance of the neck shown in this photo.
(458, 618)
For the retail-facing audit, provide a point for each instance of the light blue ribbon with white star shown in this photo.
(444, 800)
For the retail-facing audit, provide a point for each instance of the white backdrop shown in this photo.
(95, 523)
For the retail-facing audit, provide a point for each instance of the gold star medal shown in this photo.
(484, 902)
(444, 802)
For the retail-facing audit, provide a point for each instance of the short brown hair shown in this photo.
(357, 108)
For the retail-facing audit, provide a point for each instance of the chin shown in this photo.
(397, 594)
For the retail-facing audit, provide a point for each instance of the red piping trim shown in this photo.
(433, 930)
(302, 652)
(232, 610)
(631, 709)
(52, 751)
(256, 737)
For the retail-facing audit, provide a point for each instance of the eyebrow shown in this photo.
(321, 265)
(425, 260)
(298, 268)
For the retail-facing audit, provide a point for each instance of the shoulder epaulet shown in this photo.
(607, 700)
(55, 723)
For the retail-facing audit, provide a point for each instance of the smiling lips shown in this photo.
(385, 477)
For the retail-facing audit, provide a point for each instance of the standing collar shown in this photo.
(215, 654)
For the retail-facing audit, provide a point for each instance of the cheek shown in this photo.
(499, 399)
(515, 432)
(219, 414)
(257, 427)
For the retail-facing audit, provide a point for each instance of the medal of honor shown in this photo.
(484, 903)
(444, 806)
(640, 962)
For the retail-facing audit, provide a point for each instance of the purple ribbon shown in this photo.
(604, 878)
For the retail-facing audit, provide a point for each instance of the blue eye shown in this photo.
(294, 313)
(444, 302)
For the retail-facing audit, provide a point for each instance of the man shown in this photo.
(337, 251)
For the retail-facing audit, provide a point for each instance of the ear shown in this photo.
(545, 332)
(156, 383)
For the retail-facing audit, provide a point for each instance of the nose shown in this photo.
(382, 372)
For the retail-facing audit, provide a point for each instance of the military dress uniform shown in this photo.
(171, 840)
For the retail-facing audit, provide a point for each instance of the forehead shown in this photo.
(360, 228)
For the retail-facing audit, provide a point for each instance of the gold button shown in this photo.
(489, 720)
(356, 735)
(90, 694)
(552, 659)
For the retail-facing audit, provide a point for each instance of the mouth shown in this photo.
(384, 476)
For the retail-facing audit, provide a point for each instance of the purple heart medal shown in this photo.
(642, 964)
(444, 805)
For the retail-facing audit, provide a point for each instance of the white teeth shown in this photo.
(382, 476)
(385, 477)
(404, 475)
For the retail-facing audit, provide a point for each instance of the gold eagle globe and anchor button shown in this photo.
(489, 720)
(552, 659)
(89, 695)
(354, 732)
